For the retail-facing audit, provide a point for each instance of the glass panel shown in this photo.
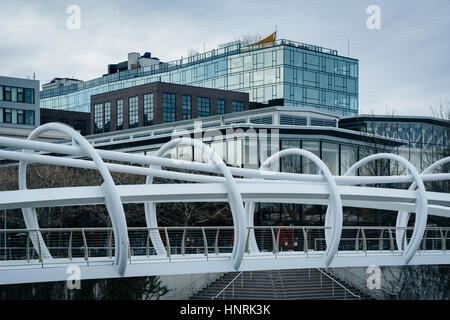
(309, 166)
(349, 156)
(330, 155)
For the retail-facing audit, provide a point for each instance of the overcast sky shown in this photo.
(405, 65)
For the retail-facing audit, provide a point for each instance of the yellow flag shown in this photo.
(268, 39)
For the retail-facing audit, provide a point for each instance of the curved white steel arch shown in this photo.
(234, 199)
(256, 186)
(112, 198)
(333, 216)
(403, 216)
(421, 202)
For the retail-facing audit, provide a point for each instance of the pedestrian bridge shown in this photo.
(35, 254)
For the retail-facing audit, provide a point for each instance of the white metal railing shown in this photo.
(333, 282)
(230, 285)
(363, 282)
(207, 241)
(194, 286)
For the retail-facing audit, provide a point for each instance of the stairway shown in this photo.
(294, 284)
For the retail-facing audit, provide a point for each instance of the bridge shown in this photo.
(35, 254)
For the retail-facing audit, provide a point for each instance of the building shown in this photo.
(160, 102)
(59, 83)
(426, 138)
(245, 139)
(19, 105)
(302, 75)
(80, 121)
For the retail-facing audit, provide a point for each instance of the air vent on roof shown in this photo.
(286, 119)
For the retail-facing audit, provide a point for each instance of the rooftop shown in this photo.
(232, 49)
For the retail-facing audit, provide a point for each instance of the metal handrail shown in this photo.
(334, 280)
(231, 282)
(189, 284)
(365, 280)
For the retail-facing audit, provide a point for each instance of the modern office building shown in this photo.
(245, 139)
(299, 74)
(160, 102)
(19, 103)
(426, 138)
(59, 83)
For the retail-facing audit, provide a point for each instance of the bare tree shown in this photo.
(250, 38)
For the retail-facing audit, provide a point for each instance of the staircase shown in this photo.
(312, 284)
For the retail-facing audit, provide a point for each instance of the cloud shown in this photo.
(404, 65)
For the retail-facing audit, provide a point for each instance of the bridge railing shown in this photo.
(208, 241)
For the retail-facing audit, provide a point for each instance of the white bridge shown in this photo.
(36, 255)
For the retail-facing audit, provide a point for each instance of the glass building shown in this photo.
(426, 138)
(301, 75)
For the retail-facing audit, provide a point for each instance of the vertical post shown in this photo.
(28, 246)
(216, 245)
(110, 243)
(70, 246)
(183, 242)
(247, 241)
(205, 243)
(167, 244)
(5, 233)
(86, 253)
(40, 248)
(380, 241)
(147, 245)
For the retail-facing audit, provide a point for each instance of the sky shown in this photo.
(404, 65)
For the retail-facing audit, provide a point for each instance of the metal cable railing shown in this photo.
(208, 242)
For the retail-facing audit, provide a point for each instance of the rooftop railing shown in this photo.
(181, 63)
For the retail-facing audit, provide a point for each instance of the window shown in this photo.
(119, 114)
(221, 106)
(80, 125)
(20, 95)
(107, 116)
(168, 107)
(186, 107)
(98, 118)
(133, 108)
(237, 106)
(203, 107)
(29, 117)
(148, 109)
(29, 95)
(7, 93)
(20, 116)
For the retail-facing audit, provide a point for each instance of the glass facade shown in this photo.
(427, 141)
(237, 106)
(301, 74)
(148, 109)
(119, 114)
(133, 109)
(107, 116)
(186, 108)
(203, 107)
(17, 116)
(14, 94)
(221, 106)
(98, 118)
(168, 107)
